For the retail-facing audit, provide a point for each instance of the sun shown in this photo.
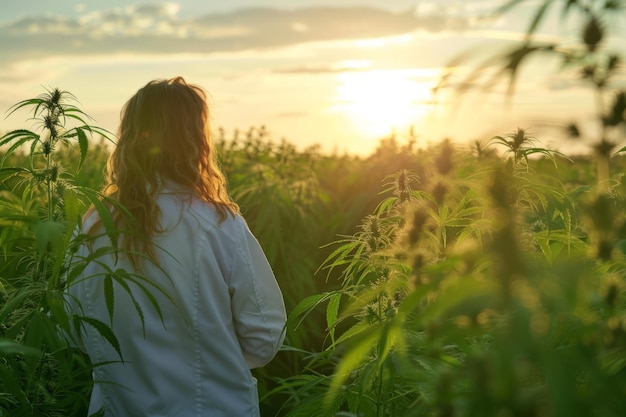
(377, 101)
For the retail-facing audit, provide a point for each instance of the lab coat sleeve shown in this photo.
(257, 304)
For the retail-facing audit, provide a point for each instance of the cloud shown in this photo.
(320, 69)
(157, 28)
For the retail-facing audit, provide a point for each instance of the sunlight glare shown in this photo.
(382, 42)
(379, 101)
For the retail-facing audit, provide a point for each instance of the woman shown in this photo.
(203, 306)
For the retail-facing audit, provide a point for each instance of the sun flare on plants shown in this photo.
(379, 101)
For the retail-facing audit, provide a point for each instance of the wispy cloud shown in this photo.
(157, 28)
(339, 67)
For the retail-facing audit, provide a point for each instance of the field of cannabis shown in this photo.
(448, 280)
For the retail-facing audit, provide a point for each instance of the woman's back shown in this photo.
(223, 314)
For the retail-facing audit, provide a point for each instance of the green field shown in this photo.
(437, 281)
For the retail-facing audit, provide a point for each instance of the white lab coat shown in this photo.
(228, 316)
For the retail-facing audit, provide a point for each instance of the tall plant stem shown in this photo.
(380, 404)
(603, 150)
(49, 184)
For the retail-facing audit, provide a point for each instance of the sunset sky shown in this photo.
(340, 73)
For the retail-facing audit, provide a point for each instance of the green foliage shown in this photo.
(470, 285)
(504, 296)
(41, 208)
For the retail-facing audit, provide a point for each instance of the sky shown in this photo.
(340, 74)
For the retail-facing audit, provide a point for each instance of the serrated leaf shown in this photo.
(30, 102)
(109, 296)
(305, 306)
(151, 296)
(83, 143)
(104, 213)
(386, 205)
(120, 276)
(332, 314)
(22, 136)
(356, 330)
(105, 331)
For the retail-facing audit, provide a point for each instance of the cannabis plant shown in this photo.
(587, 54)
(475, 312)
(40, 214)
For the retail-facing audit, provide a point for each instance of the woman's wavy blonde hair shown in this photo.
(164, 137)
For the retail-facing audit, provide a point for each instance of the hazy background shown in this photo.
(338, 73)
